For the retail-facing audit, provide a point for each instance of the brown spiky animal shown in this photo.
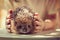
(22, 20)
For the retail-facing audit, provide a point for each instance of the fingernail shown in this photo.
(36, 14)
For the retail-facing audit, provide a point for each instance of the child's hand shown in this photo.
(38, 23)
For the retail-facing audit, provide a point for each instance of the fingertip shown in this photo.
(36, 14)
(37, 23)
(8, 16)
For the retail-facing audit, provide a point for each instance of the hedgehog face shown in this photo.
(23, 20)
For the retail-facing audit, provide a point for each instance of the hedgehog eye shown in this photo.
(19, 27)
(29, 26)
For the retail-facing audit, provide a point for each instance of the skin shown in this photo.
(50, 25)
(39, 23)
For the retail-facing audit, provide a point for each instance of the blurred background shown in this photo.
(47, 9)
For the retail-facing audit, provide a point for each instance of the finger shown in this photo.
(37, 23)
(8, 16)
(8, 21)
(8, 26)
(36, 18)
(37, 27)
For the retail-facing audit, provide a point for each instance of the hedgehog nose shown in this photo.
(24, 28)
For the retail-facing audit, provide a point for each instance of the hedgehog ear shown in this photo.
(10, 11)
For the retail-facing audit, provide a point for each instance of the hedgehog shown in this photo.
(23, 18)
